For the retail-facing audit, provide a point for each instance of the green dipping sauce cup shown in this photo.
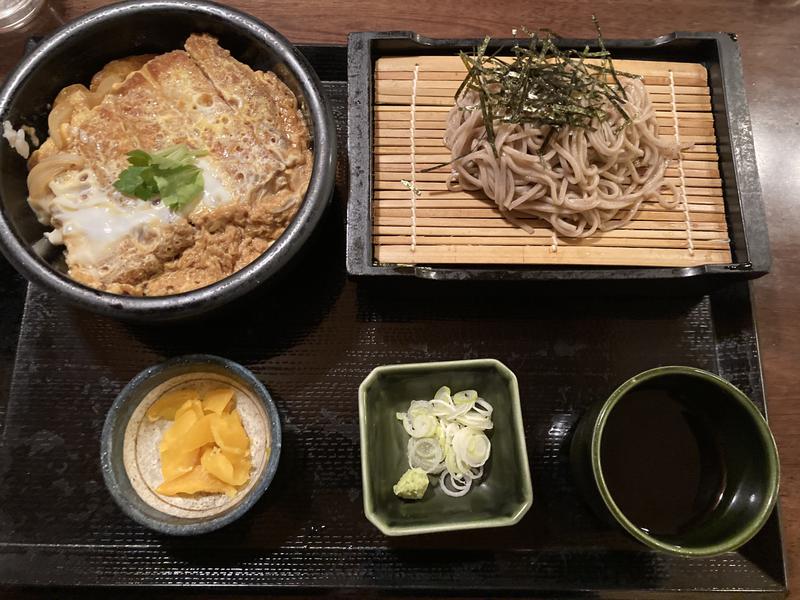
(744, 456)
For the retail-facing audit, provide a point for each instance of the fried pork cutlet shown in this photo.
(256, 168)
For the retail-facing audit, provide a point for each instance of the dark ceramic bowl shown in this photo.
(77, 51)
(745, 489)
(126, 476)
(502, 496)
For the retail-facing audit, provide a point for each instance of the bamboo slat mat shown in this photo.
(412, 97)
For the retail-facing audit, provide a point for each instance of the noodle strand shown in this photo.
(583, 181)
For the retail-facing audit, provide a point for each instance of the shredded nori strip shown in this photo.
(542, 84)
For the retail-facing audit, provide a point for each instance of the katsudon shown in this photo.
(170, 172)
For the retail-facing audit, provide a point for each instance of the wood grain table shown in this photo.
(768, 32)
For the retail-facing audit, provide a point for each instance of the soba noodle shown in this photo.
(582, 181)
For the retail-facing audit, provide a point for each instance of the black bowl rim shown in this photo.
(110, 476)
(283, 249)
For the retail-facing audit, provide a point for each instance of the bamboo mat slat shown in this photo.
(438, 189)
(433, 240)
(451, 226)
(538, 255)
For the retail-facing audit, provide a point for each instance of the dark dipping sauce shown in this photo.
(662, 462)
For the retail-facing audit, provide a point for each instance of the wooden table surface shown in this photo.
(768, 32)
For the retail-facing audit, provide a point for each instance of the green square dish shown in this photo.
(502, 496)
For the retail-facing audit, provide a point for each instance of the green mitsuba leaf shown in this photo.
(170, 175)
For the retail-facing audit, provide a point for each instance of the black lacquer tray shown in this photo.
(312, 337)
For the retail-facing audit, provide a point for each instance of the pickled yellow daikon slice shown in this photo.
(216, 463)
(193, 405)
(168, 404)
(175, 461)
(200, 433)
(206, 448)
(229, 434)
(175, 433)
(218, 401)
(195, 481)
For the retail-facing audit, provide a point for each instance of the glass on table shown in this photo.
(21, 20)
(16, 14)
